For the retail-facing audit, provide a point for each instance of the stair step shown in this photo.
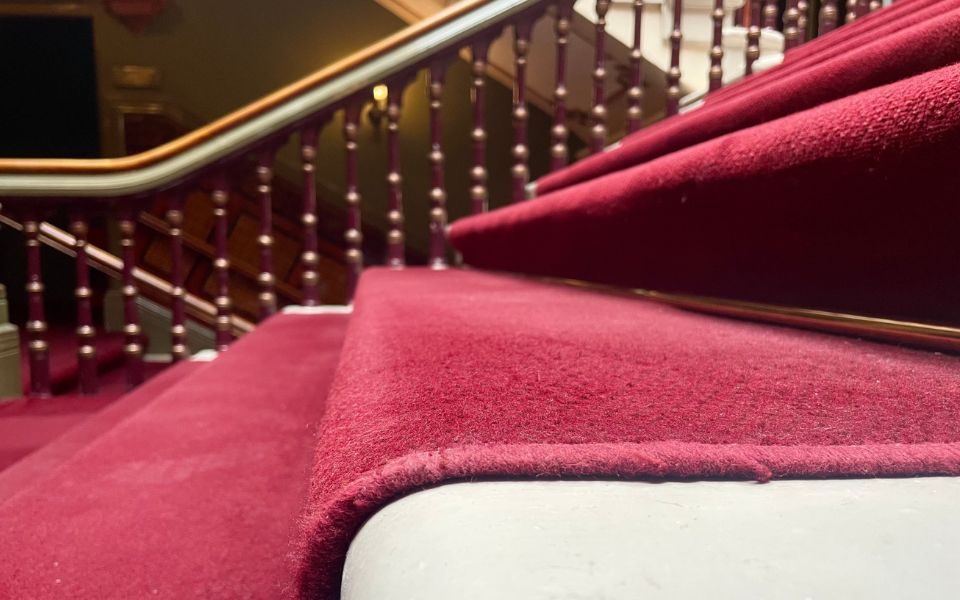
(197, 494)
(27, 423)
(463, 375)
(20, 474)
(847, 207)
(892, 49)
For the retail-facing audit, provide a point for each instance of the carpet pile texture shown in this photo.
(915, 43)
(196, 495)
(459, 375)
(39, 434)
(849, 206)
(864, 30)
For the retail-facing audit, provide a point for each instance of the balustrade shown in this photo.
(218, 172)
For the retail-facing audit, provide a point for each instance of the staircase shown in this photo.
(755, 289)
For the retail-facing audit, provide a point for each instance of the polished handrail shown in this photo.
(283, 109)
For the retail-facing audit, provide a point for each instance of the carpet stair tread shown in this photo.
(42, 462)
(461, 375)
(197, 494)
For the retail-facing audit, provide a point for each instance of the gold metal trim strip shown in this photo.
(926, 335)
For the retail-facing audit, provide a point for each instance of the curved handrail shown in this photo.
(167, 164)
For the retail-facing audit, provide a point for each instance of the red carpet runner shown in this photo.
(850, 207)
(458, 375)
(909, 45)
(196, 495)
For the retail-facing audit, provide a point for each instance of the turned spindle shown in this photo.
(221, 263)
(478, 137)
(635, 92)
(803, 9)
(851, 15)
(828, 16)
(265, 278)
(673, 73)
(133, 340)
(36, 327)
(716, 50)
(352, 235)
(770, 14)
(86, 332)
(521, 172)
(598, 112)
(753, 35)
(309, 254)
(791, 28)
(395, 219)
(178, 326)
(438, 192)
(559, 132)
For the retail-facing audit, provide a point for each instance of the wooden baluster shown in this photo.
(178, 327)
(438, 192)
(753, 35)
(221, 264)
(803, 9)
(673, 73)
(598, 113)
(395, 245)
(559, 132)
(863, 7)
(521, 173)
(791, 31)
(86, 333)
(36, 321)
(635, 93)
(851, 11)
(770, 14)
(353, 237)
(828, 16)
(716, 51)
(133, 342)
(309, 257)
(268, 298)
(478, 98)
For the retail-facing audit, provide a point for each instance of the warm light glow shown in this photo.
(380, 93)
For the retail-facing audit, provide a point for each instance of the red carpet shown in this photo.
(865, 29)
(850, 206)
(27, 424)
(40, 434)
(896, 52)
(459, 375)
(196, 495)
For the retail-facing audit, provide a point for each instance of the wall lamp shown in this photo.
(378, 108)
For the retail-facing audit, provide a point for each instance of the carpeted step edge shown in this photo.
(34, 467)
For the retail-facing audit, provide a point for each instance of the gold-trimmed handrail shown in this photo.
(260, 106)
